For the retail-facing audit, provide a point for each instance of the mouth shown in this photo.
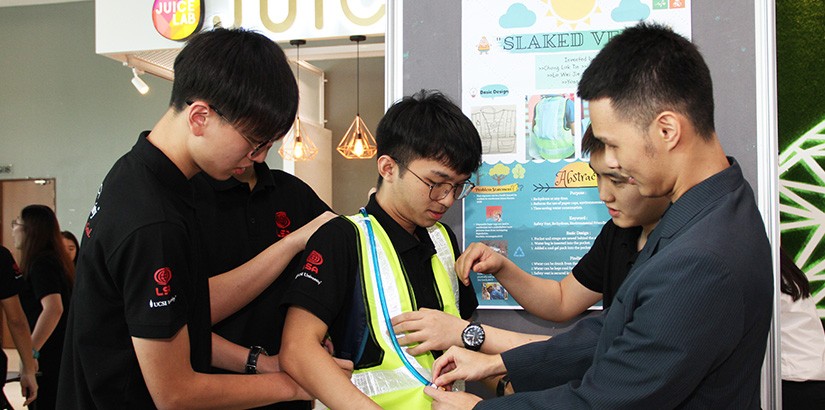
(435, 215)
(613, 212)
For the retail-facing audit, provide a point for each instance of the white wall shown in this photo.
(66, 112)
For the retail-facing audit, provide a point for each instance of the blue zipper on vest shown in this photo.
(377, 270)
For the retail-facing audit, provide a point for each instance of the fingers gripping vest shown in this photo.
(391, 384)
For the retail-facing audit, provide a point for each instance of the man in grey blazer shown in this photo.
(688, 327)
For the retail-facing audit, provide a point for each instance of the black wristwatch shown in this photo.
(473, 336)
(501, 387)
(252, 359)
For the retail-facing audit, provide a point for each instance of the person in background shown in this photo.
(802, 341)
(72, 246)
(139, 332)
(239, 218)
(11, 281)
(48, 275)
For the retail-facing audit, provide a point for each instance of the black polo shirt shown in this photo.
(606, 265)
(10, 278)
(10, 283)
(237, 224)
(137, 276)
(328, 293)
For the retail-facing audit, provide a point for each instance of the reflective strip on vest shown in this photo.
(375, 382)
(444, 251)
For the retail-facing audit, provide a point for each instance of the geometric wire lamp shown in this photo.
(358, 142)
(296, 145)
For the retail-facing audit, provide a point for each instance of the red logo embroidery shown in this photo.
(88, 230)
(162, 277)
(282, 220)
(315, 258)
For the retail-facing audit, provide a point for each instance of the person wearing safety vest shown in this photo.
(393, 256)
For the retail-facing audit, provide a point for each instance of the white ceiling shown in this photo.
(9, 3)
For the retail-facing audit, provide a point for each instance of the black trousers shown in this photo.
(803, 395)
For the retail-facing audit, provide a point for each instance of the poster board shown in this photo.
(536, 200)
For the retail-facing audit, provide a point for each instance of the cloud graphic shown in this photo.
(517, 16)
(630, 10)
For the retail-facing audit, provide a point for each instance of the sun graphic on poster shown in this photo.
(572, 12)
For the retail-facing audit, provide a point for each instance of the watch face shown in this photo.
(473, 336)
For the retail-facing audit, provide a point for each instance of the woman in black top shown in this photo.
(49, 275)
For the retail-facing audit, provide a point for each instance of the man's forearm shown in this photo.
(230, 291)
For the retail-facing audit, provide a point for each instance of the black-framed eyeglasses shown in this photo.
(440, 190)
(15, 223)
(257, 147)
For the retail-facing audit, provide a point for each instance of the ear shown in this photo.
(387, 168)
(668, 128)
(197, 117)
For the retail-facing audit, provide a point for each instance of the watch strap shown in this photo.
(252, 359)
(502, 385)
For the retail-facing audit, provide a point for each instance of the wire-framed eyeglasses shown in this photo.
(257, 147)
(439, 191)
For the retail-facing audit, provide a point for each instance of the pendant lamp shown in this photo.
(296, 145)
(358, 141)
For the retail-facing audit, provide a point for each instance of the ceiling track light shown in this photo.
(138, 82)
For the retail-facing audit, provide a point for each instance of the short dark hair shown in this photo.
(590, 144)
(242, 74)
(428, 125)
(647, 69)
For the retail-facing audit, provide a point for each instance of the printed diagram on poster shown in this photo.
(536, 200)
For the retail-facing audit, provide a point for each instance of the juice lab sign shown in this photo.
(280, 20)
(177, 19)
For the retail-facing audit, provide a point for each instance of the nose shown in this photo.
(259, 156)
(605, 194)
(448, 200)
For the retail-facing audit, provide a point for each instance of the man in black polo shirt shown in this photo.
(239, 218)
(427, 150)
(139, 327)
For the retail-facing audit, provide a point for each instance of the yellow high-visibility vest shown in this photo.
(391, 384)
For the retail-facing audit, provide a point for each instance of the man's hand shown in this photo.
(448, 400)
(461, 364)
(28, 385)
(480, 258)
(433, 329)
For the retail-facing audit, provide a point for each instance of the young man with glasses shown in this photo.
(139, 330)
(394, 256)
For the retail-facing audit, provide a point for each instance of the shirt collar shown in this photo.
(265, 179)
(167, 172)
(401, 239)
